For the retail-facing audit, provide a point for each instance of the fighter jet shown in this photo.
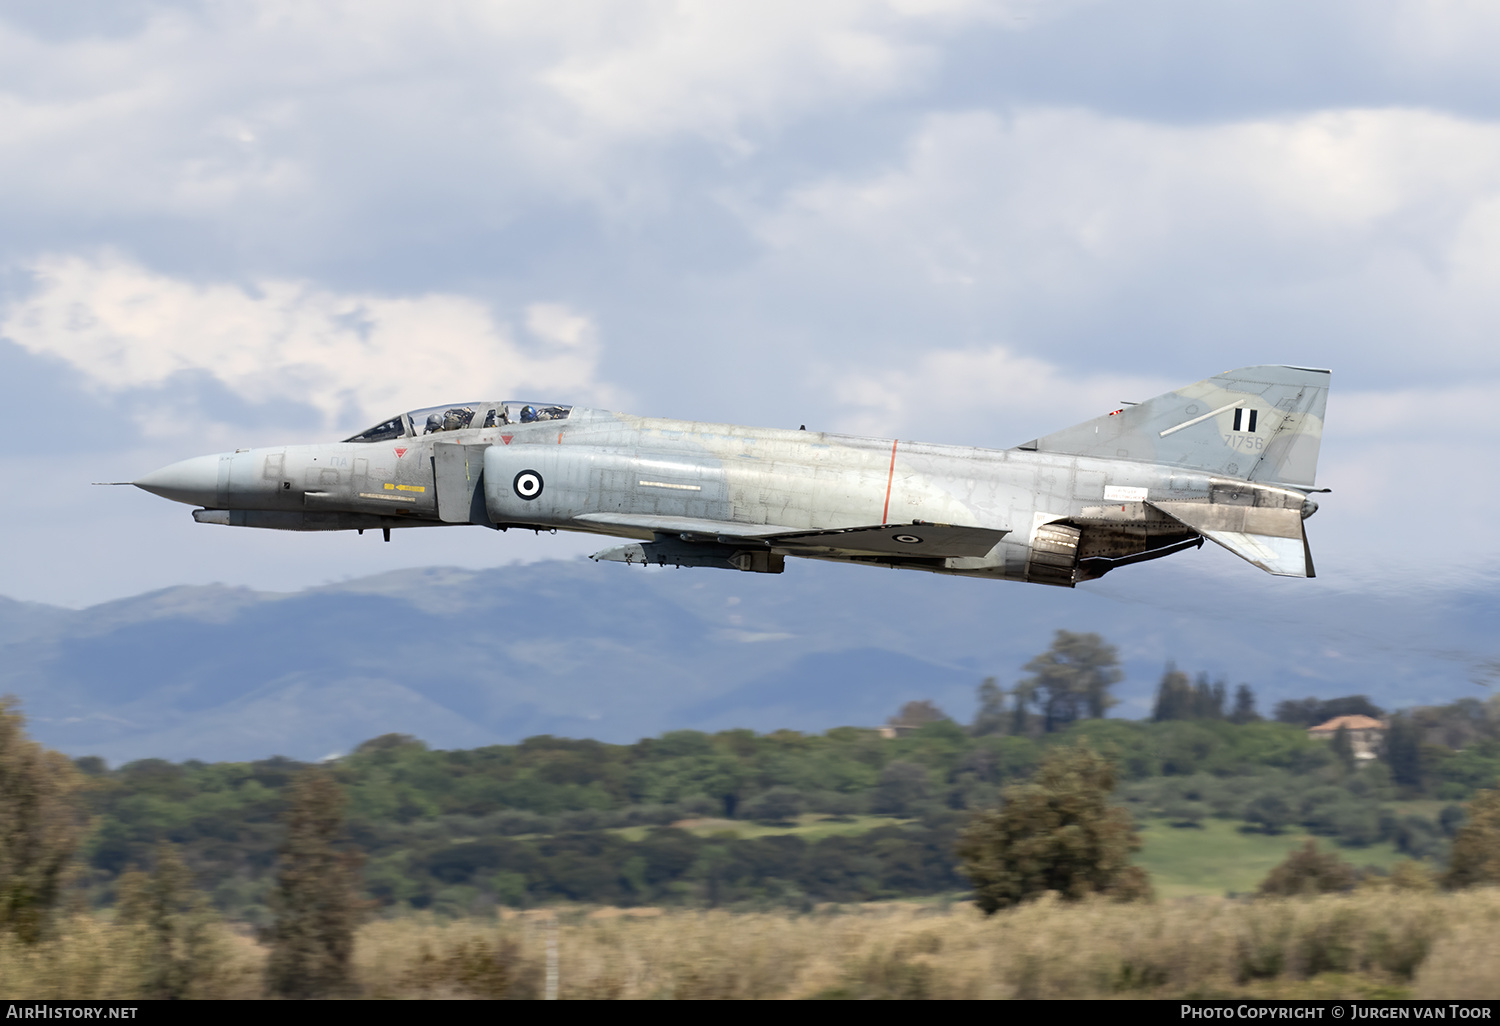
(1231, 459)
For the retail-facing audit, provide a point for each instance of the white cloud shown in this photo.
(1413, 465)
(556, 323)
(1351, 234)
(709, 67)
(989, 397)
(353, 357)
(271, 103)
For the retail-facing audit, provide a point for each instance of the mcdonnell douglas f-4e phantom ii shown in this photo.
(1231, 458)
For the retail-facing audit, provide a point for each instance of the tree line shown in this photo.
(316, 898)
(549, 819)
(454, 830)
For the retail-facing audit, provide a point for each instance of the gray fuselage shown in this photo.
(717, 485)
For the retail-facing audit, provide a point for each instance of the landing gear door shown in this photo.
(459, 473)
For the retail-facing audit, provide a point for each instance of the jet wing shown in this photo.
(918, 540)
(1272, 539)
(931, 541)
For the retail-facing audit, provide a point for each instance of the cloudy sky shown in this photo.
(232, 224)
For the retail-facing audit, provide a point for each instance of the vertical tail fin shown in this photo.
(1256, 423)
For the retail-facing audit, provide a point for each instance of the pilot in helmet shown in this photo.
(528, 414)
(434, 423)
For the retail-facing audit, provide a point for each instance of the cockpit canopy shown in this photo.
(461, 416)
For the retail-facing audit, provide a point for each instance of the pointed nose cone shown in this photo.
(194, 481)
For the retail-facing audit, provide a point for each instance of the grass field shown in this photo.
(1371, 944)
(809, 827)
(1217, 858)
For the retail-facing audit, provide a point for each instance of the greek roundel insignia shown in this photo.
(527, 485)
(908, 539)
(1244, 420)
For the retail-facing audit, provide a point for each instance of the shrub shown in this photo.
(472, 967)
(904, 787)
(1057, 833)
(1309, 871)
(1476, 845)
(183, 952)
(1270, 812)
(777, 805)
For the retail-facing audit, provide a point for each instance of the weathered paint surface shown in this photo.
(1231, 459)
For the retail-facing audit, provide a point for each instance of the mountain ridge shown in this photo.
(471, 657)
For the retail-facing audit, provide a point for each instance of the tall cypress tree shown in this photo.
(991, 717)
(1403, 751)
(316, 901)
(1343, 747)
(41, 823)
(1174, 696)
(181, 954)
(1244, 706)
(1208, 699)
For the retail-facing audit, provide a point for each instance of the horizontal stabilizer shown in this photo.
(1272, 539)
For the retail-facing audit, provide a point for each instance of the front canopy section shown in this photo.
(460, 417)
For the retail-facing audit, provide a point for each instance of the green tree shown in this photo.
(918, 714)
(1020, 714)
(1177, 699)
(1309, 712)
(181, 955)
(1308, 871)
(1071, 680)
(41, 823)
(903, 789)
(1174, 696)
(774, 805)
(991, 717)
(1057, 832)
(316, 901)
(1343, 747)
(1244, 706)
(1270, 811)
(1208, 699)
(1403, 752)
(1475, 858)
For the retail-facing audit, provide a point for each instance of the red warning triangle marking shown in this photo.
(506, 438)
(400, 452)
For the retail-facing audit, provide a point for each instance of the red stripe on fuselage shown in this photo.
(890, 478)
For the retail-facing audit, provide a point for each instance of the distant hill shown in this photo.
(466, 658)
